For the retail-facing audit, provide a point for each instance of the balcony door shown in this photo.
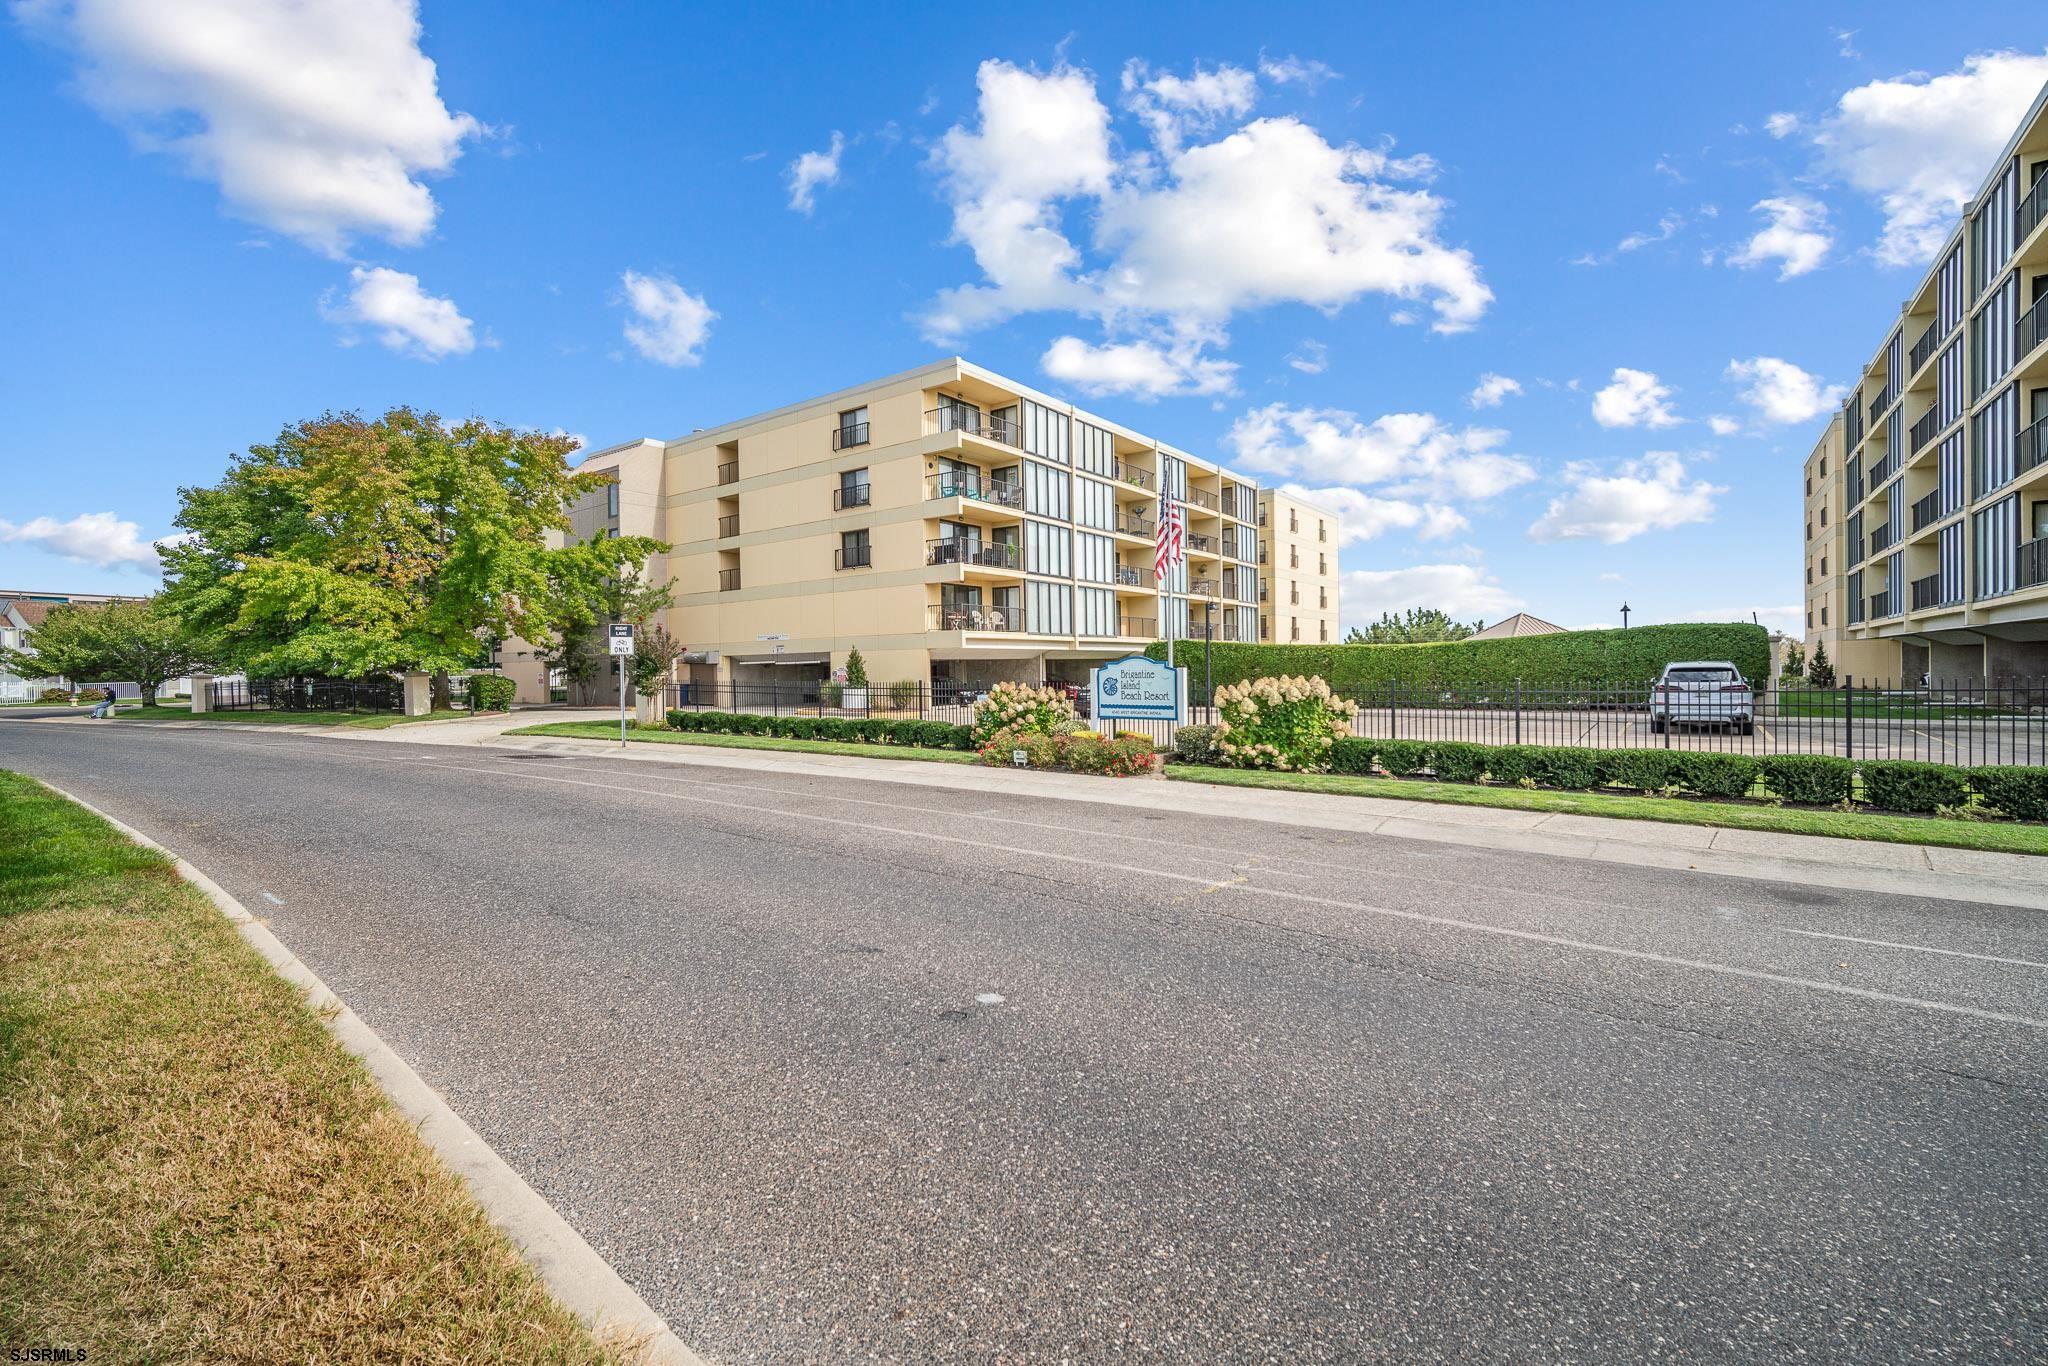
(957, 414)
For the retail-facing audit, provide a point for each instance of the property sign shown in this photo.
(622, 637)
(1138, 689)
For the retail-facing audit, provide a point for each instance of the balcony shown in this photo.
(1882, 540)
(1138, 628)
(975, 617)
(1131, 474)
(728, 525)
(1928, 510)
(1239, 504)
(1880, 606)
(1202, 588)
(1129, 577)
(1879, 404)
(976, 485)
(728, 580)
(1881, 471)
(729, 472)
(1927, 593)
(1199, 544)
(853, 557)
(2032, 210)
(1202, 498)
(2031, 448)
(1855, 426)
(2031, 330)
(2031, 567)
(1923, 431)
(1130, 524)
(972, 550)
(1923, 350)
(850, 496)
(848, 435)
(974, 423)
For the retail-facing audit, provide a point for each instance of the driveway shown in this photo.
(838, 1068)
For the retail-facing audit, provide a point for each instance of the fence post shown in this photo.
(1518, 711)
(1393, 709)
(1848, 716)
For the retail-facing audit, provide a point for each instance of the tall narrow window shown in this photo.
(853, 549)
(611, 499)
(853, 429)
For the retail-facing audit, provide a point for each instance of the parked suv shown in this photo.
(1702, 692)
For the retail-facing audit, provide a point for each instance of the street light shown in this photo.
(1624, 616)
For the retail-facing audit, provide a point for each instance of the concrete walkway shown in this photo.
(1859, 865)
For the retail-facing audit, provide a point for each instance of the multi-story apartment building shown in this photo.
(955, 525)
(1941, 497)
(1298, 595)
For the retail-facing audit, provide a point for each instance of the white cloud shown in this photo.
(1611, 577)
(1920, 144)
(1651, 494)
(1410, 454)
(1722, 425)
(320, 119)
(1667, 228)
(1172, 107)
(1311, 358)
(669, 323)
(813, 169)
(1796, 236)
(98, 538)
(1268, 214)
(1491, 389)
(1363, 517)
(1146, 369)
(1634, 398)
(408, 320)
(1781, 392)
(1292, 70)
(1463, 590)
(1781, 125)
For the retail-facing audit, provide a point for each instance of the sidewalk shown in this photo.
(1834, 864)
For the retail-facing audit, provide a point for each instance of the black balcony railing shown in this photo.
(1881, 539)
(850, 496)
(1138, 628)
(973, 422)
(1927, 592)
(1131, 474)
(2032, 210)
(2032, 328)
(1132, 525)
(975, 617)
(1928, 510)
(972, 550)
(1201, 498)
(2031, 568)
(1923, 350)
(729, 472)
(1854, 434)
(848, 434)
(2031, 448)
(1880, 605)
(728, 525)
(1204, 545)
(728, 580)
(1881, 471)
(1923, 431)
(978, 486)
(1202, 588)
(853, 556)
(1880, 403)
(1128, 576)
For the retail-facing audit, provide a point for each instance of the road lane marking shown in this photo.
(273, 898)
(1917, 948)
(1387, 912)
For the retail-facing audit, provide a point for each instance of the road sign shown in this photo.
(622, 637)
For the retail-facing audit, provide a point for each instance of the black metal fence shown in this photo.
(1963, 723)
(311, 694)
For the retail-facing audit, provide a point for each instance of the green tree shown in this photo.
(1418, 626)
(655, 651)
(1820, 672)
(353, 546)
(1795, 663)
(144, 642)
(856, 669)
(589, 589)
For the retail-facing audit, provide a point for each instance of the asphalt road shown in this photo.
(839, 1070)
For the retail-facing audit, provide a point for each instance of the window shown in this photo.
(1809, 528)
(1293, 520)
(1823, 467)
(1293, 557)
(853, 429)
(1294, 628)
(1322, 532)
(853, 489)
(853, 549)
(1823, 566)
(1809, 486)
(1809, 618)
(1823, 516)
(1323, 630)
(1809, 571)
(1823, 614)
(611, 500)
(1322, 563)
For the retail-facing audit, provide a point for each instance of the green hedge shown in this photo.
(1807, 779)
(491, 692)
(1636, 655)
(874, 730)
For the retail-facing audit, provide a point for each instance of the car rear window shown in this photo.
(1700, 676)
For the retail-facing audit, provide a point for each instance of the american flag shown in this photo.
(1171, 547)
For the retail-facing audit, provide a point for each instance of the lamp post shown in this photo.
(1624, 616)
(1208, 639)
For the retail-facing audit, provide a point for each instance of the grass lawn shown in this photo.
(1999, 836)
(376, 720)
(607, 730)
(195, 1169)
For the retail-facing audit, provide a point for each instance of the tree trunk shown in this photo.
(444, 691)
(148, 694)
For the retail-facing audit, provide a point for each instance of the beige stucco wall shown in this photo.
(1303, 576)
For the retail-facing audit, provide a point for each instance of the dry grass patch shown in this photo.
(190, 1166)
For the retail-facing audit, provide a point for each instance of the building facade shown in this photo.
(1298, 553)
(21, 613)
(958, 527)
(1928, 541)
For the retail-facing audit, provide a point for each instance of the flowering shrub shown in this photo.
(1283, 723)
(1022, 708)
(1083, 751)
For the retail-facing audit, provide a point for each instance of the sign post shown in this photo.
(622, 649)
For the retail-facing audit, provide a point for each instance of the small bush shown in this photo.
(1398, 757)
(1569, 768)
(1281, 723)
(54, 695)
(1458, 761)
(1812, 779)
(2021, 793)
(491, 692)
(1903, 785)
(1352, 755)
(1196, 745)
(856, 669)
(831, 694)
(1514, 764)
(1714, 775)
(1645, 770)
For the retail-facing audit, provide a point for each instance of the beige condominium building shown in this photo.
(1934, 513)
(1298, 554)
(957, 526)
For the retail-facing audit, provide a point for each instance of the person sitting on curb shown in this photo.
(105, 709)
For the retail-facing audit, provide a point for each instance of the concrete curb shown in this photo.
(583, 1281)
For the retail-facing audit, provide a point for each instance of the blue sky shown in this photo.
(1296, 239)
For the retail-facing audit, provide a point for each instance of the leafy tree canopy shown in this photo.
(352, 546)
(142, 642)
(1418, 626)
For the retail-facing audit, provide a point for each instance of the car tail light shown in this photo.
(1735, 687)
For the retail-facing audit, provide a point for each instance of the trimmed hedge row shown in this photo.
(874, 730)
(1807, 779)
(1632, 656)
(491, 692)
